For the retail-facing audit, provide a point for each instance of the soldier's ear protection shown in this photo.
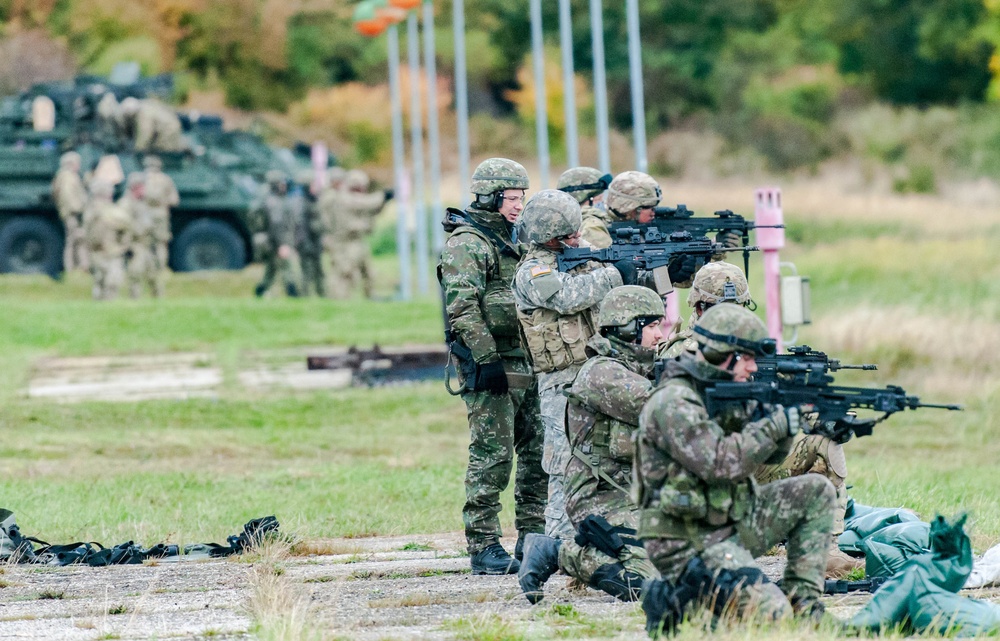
(763, 347)
(602, 184)
(490, 202)
(632, 331)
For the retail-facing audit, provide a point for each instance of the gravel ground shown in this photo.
(373, 588)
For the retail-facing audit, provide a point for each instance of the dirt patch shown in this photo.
(372, 588)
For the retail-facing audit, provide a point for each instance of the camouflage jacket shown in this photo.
(693, 472)
(311, 226)
(68, 192)
(279, 219)
(352, 213)
(161, 192)
(594, 229)
(605, 401)
(475, 271)
(108, 230)
(143, 223)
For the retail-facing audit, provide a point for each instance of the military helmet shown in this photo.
(357, 180)
(622, 305)
(496, 174)
(152, 162)
(275, 177)
(631, 190)
(719, 282)
(70, 158)
(583, 183)
(549, 214)
(130, 106)
(724, 329)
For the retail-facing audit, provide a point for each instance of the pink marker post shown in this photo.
(767, 211)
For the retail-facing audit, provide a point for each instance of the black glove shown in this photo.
(628, 270)
(389, 194)
(683, 268)
(490, 377)
(729, 239)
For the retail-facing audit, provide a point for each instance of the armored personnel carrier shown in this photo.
(218, 179)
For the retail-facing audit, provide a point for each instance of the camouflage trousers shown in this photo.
(500, 426)
(143, 270)
(819, 455)
(287, 268)
(582, 562)
(351, 266)
(557, 450)
(313, 278)
(109, 275)
(797, 510)
(75, 250)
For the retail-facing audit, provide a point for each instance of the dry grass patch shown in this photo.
(325, 547)
(420, 599)
(278, 610)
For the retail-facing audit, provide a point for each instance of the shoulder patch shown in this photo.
(540, 270)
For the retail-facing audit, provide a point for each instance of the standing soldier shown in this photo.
(588, 185)
(310, 231)
(694, 483)
(556, 311)
(161, 195)
(602, 415)
(141, 265)
(723, 282)
(279, 243)
(108, 229)
(354, 212)
(477, 264)
(329, 201)
(70, 197)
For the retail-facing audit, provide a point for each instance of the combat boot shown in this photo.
(617, 581)
(660, 606)
(519, 546)
(840, 564)
(541, 560)
(259, 290)
(812, 611)
(292, 290)
(494, 559)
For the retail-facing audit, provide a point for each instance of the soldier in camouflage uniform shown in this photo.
(603, 413)
(725, 283)
(107, 228)
(354, 217)
(70, 197)
(327, 204)
(556, 311)
(588, 185)
(155, 126)
(694, 480)
(632, 195)
(500, 392)
(310, 231)
(160, 195)
(278, 238)
(141, 267)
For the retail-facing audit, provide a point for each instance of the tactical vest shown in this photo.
(677, 504)
(497, 301)
(555, 341)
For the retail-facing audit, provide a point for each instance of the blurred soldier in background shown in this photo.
(278, 237)
(354, 216)
(310, 230)
(161, 194)
(588, 185)
(108, 230)
(141, 265)
(328, 203)
(70, 197)
(154, 125)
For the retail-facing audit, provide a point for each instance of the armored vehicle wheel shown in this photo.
(30, 245)
(208, 244)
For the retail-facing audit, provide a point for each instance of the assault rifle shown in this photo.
(670, 220)
(803, 364)
(833, 405)
(647, 248)
(834, 586)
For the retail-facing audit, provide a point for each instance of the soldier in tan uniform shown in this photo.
(70, 197)
(141, 266)
(107, 228)
(155, 125)
(588, 185)
(354, 213)
(161, 195)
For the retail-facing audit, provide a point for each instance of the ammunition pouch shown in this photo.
(595, 531)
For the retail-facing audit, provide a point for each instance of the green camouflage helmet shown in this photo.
(622, 305)
(70, 158)
(719, 282)
(631, 190)
(724, 329)
(583, 183)
(549, 214)
(496, 174)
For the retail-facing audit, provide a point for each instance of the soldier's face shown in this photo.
(645, 215)
(742, 365)
(511, 204)
(652, 334)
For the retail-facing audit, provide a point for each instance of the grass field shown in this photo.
(912, 284)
